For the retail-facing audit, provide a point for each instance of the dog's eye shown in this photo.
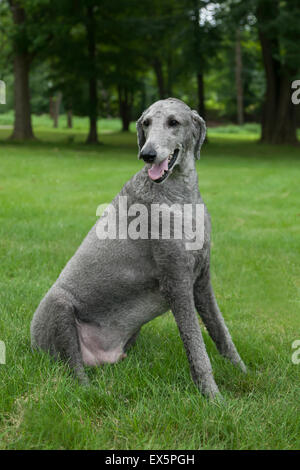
(146, 122)
(173, 122)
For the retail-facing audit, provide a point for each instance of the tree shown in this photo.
(279, 34)
(239, 78)
(22, 59)
(155, 26)
(30, 39)
(233, 16)
(122, 58)
(56, 108)
(277, 24)
(75, 67)
(201, 37)
(90, 24)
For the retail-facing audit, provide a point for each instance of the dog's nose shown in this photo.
(148, 156)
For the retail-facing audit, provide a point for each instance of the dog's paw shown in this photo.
(242, 367)
(209, 388)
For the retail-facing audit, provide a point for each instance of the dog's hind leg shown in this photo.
(212, 318)
(53, 329)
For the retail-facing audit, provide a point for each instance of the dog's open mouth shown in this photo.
(159, 172)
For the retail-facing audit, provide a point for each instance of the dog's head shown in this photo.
(169, 133)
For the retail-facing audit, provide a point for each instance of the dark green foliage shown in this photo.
(143, 51)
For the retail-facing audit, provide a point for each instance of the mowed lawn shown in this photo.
(49, 193)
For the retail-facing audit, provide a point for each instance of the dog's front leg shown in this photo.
(180, 298)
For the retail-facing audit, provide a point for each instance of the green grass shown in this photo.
(49, 192)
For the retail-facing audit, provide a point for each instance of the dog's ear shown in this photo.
(199, 132)
(140, 133)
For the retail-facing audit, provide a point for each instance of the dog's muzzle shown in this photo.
(160, 171)
(148, 155)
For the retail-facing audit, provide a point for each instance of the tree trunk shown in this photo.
(198, 59)
(93, 112)
(51, 107)
(70, 119)
(125, 107)
(22, 122)
(201, 101)
(93, 94)
(279, 116)
(285, 130)
(56, 108)
(170, 74)
(157, 65)
(238, 78)
(272, 67)
(200, 91)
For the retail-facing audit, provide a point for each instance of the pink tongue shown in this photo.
(156, 171)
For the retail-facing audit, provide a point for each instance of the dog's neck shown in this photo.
(180, 187)
(185, 177)
(184, 183)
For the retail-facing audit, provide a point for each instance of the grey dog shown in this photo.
(111, 287)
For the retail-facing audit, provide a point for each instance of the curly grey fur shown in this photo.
(111, 288)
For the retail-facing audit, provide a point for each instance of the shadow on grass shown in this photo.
(244, 147)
